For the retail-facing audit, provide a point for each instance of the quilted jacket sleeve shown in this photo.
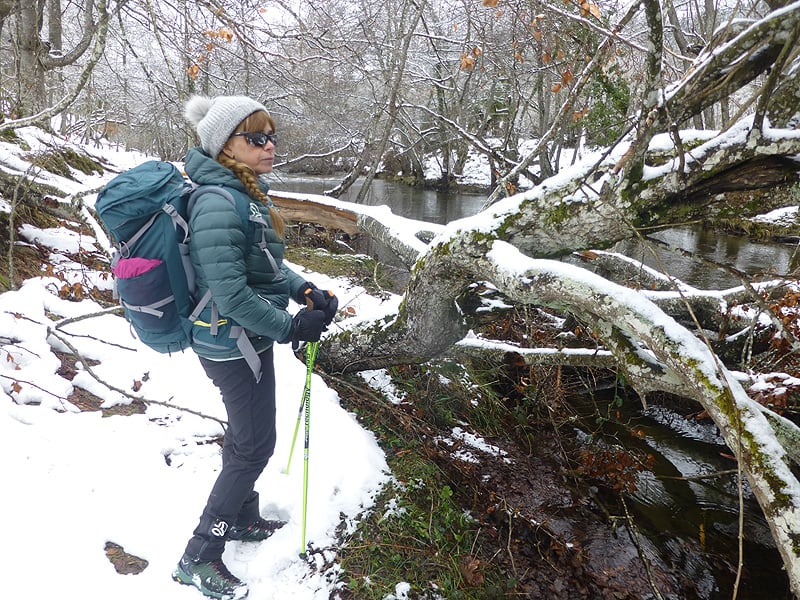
(219, 248)
(296, 281)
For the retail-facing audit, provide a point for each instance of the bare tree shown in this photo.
(82, 78)
(38, 58)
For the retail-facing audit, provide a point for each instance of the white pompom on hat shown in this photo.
(215, 119)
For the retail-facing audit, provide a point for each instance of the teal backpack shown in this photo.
(146, 210)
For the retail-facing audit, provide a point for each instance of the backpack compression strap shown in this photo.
(177, 221)
(123, 251)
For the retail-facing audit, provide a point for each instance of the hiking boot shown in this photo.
(212, 578)
(261, 529)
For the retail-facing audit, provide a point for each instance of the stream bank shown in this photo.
(549, 522)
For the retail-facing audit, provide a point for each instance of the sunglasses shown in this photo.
(258, 138)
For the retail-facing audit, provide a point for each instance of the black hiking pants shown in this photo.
(249, 443)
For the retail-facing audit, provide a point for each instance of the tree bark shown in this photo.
(67, 100)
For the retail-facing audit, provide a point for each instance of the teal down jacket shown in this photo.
(241, 278)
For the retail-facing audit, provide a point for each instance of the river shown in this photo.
(755, 258)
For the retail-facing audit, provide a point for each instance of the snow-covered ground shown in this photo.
(73, 481)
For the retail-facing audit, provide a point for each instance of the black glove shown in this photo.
(307, 326)
(311, 296)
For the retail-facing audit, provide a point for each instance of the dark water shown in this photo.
(405, 201)
(692, 520)
(761, 260)
(694, 523)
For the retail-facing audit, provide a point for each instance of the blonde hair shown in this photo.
(258, 121)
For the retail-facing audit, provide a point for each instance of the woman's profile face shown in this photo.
(248, 148)
(253, 143)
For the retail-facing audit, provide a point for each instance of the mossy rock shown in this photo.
(61, 161)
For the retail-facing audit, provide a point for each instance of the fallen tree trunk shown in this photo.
(607, 198)
(640, 335)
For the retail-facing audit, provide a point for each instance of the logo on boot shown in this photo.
(219, 529)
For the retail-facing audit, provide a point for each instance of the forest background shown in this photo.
(362, 89)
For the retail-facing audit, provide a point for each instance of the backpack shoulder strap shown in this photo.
(238, 332)
(250, 216)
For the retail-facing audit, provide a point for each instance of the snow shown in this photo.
(379, 380)
(465, 442)
(75, 480)
(785, 216)
(57, 238)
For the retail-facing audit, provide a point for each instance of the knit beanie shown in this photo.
(215, 119)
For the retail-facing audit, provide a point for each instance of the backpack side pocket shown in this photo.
(145, 293)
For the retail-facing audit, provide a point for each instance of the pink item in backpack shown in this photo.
(131, 267)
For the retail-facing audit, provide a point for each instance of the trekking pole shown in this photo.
(305, 396)
(306, 393)
(311, 355)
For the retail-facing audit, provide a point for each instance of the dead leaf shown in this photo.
(467, 62)
(471, 569)
(579, 114)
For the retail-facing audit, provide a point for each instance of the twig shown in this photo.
(772, 80)
(107, 311)
(62, 339)
(100, 313)
(375, 277)
(635, 537)
(33, 385)
(27, 179)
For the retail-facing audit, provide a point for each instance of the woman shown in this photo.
(237, 250)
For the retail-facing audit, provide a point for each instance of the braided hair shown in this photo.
(258, 121)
